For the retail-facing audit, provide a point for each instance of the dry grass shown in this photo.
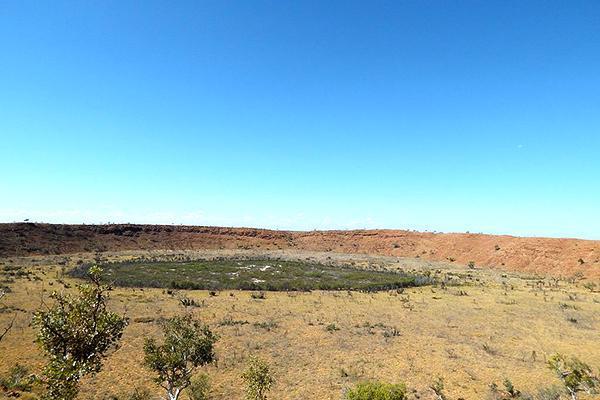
(490, 327)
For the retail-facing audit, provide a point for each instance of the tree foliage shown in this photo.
(76, 333)
(258, 379)
(187, 344)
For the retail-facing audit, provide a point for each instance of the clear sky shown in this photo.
(479, 116)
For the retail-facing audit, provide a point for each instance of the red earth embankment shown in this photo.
(547, 256)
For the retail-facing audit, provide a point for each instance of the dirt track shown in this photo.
(559, 257)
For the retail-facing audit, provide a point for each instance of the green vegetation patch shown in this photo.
(250, 275)
(377, 391)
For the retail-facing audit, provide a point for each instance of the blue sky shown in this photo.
(479, 116)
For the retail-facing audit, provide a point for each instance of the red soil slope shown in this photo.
(559, 257)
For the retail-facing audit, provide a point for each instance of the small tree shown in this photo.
(187, 344)
(10, 324)
(576, 375)
(258, 379)
(76, 333)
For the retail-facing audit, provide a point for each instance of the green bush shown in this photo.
(575, 375)
(258, 379)
(377, 391)
(199, 388)
(18, 379)
(509, 392)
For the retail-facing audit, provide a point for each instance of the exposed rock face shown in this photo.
(560, 257)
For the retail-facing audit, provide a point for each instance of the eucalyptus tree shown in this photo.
(187, 344)
(76, 333)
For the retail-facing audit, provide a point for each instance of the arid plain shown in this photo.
(473, 326)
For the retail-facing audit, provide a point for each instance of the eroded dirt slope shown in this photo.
(561, 257)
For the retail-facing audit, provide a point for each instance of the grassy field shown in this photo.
(250, 275)
(483, 327)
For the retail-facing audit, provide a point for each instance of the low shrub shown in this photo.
(377, 391)
(438, 389)
(199, 389)
(18, 378)
(575, 375)
(267, 325)
(136, 394)
(549, 393)
(140, 394)
(188, 302)
(228, 321)
(258, 295)
(509, 392)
